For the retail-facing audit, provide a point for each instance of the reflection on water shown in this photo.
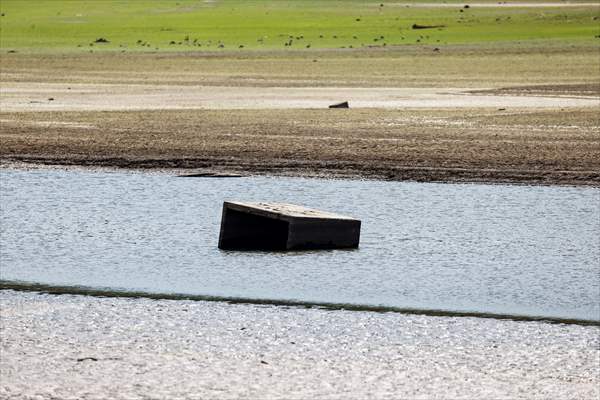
(496, 249)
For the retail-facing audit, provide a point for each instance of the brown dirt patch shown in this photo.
(473, 145)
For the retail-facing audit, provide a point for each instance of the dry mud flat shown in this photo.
(415, 114)
(88, 348)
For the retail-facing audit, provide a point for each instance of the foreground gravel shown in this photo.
(55, 347)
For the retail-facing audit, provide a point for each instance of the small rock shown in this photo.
(340, 105)
(87, 358)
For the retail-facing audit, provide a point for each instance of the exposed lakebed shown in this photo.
(512, 250)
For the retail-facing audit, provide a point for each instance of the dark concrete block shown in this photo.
(276, 226)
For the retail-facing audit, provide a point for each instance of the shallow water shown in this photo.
(515, 250)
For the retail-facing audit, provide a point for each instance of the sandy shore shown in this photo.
(84, 347)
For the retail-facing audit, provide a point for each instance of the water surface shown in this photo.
(515, 250)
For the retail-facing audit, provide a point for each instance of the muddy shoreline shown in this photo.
(334, 170)
(517, 146)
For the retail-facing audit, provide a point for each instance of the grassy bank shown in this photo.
(463, 66)
(194, 25)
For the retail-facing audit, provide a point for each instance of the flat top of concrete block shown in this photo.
(282, 210)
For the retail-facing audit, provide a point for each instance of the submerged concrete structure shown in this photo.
(278, 226)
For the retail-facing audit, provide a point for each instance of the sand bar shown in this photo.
(85, 347)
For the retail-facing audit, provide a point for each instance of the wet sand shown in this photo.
(84, 347)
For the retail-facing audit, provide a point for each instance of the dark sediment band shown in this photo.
(106, 292)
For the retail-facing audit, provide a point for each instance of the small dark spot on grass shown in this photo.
(101, 40)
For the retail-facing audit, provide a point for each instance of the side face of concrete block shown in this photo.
(323, 234)
(275, 226)
(245, 231)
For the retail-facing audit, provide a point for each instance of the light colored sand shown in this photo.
(79, 347)
(31, 96)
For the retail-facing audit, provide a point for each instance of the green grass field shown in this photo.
(196, 25)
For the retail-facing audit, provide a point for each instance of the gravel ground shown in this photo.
(84, 347)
